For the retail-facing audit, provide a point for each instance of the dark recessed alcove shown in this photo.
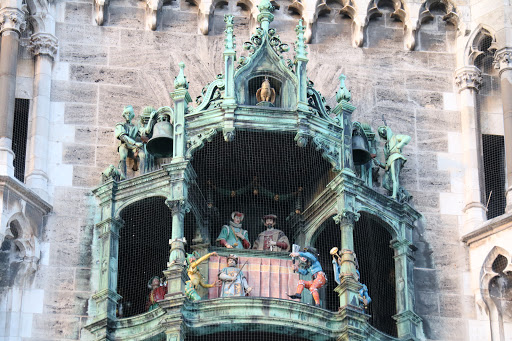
(377, 269)
(143, 251)
(257, 174)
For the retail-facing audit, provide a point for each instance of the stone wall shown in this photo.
(100, 69)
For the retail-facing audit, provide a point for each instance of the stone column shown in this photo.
(469, 79)
(12, 21)
(348, 289)
(44, 48)
(503, 61)
(408, 323)
(106, 297)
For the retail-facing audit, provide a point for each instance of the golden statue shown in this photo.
(266, 93)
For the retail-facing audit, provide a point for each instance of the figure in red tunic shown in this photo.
(271, 239)
(158, 291)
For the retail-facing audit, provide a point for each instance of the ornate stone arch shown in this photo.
(477, 44)
(487, 274)
(388, 222)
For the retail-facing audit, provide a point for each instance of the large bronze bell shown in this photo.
(160, 145)
(360, 148)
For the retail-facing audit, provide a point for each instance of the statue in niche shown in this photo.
(315, 269)
(158, 290)
(130, 143)
(196, 278)
(271, 239)
(233, 280)
(232, 235)
(394, 163)
(364, 297)
(266, 94)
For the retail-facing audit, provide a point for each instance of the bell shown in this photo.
(160, 145)
(360, 147)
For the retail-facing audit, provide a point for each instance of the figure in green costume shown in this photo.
(232, 235)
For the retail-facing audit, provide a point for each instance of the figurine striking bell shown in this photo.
(160, 145)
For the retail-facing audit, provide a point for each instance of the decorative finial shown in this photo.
(265, 17)
(343, 93)
(180, 82)
(229, 40)
(300, 45)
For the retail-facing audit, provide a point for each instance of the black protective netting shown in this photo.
(257, 174)
(143, 251)
(19, 136)
(493, 148)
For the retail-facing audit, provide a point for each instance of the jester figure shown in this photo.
(311, 255)
(196, 278)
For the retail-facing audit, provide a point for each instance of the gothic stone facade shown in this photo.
(421, 64)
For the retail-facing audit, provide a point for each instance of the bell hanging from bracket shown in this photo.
(161, 144)
(360, 147)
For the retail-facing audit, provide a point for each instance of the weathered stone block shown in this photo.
(436, 328)
(427, 99)
(427, 303)
(438, 120)
(85, 134)
(106, 156)
(425, 280)
(87, 176)
(451, 305)
(103, 75)
(63, 91)
(435, 181)
(392, 97)
(63, 229)
(75, 53)
(82, 279)
(432, 141)
(50, 326)
(131, 17)
(389, 59)
(54, 278)
(76, 202)
(415, 80)
(66, 302)
(425, 201)
(382, 31)
(70, 255)
(78, 154)
(87, 34)
(78, 13)
(80, 113)
(441, 62)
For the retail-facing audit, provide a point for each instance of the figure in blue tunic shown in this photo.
(315, 269)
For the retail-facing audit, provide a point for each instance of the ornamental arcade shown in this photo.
(309, 239)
